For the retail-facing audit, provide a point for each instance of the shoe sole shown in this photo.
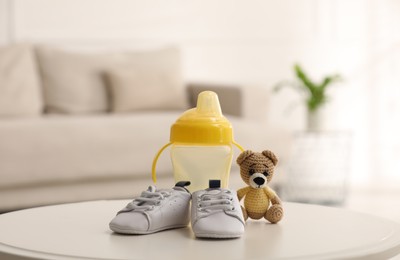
(136, 232)
(208, 235)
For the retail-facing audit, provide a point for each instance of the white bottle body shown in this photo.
(199, 164)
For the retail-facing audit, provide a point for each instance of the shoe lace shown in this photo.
(148, 199)
(210, 202)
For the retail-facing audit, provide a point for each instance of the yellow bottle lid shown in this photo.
(203, 124)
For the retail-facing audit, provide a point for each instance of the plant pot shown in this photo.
(318, 168)
(316, 120)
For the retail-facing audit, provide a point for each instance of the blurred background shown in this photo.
(257, 43)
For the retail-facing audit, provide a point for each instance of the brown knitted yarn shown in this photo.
(274, 214)
(257, 200)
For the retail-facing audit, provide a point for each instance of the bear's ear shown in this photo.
(242, 157)
(270, 155)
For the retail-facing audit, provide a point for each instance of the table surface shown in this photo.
(80, 231)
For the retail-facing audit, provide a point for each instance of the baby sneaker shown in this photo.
(154, 210)
(216, 213)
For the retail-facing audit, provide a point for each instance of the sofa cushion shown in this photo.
(74, 82)
(59, 149)
(20, 93)
(137, 89)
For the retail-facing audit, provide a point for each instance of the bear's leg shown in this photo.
(245, 216)
(274, 214)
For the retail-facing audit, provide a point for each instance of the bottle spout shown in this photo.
(208, 104)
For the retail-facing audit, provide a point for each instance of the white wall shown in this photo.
(5, 11)
(222, 40)
(251, 42)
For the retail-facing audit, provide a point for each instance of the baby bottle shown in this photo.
(201, 142)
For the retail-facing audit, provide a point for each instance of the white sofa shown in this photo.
(56, 148)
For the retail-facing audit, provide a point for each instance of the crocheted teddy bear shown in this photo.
(257, 170)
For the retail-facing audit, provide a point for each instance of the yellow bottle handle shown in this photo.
(153, 168)
(238, 146)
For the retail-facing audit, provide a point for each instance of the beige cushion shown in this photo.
(20, 93)
(74, 82)
(145, 89)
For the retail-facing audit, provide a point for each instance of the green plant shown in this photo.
(315, 92)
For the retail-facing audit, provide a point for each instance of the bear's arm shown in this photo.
(272, 196)
(242, 192)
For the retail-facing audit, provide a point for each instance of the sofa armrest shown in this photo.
(249, 102)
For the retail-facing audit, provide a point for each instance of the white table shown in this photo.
(80, 231)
